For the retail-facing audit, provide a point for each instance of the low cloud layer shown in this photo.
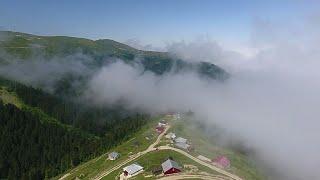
(143, 90)
(274, 113)
(270, 102)
(189, 51)
(44, 73)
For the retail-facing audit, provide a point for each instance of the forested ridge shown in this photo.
(49, 135)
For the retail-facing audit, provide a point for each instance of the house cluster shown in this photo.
(220, 161)
(182, 143)
(167, 167)
(179, 142)
(161, 126)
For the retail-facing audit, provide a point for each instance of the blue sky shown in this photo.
(150, 21)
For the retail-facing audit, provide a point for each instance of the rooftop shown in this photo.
(168, 164)
(182, 145)
(180, 140)
(133, 168)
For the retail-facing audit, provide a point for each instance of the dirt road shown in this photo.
(194, 176)
(64, 176)
(228, 176)
(149, 149)
(152, 148)
(201, 162)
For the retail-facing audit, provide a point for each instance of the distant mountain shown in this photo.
(24, 46)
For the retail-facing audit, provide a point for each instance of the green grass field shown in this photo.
(154, 159)
(240, 164)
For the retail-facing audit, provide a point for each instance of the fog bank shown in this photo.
(270, 102)
(44, 73)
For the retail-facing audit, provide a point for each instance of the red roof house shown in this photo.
(222, 161)
(159, 129)
(170, 167)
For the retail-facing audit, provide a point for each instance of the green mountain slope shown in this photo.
(32, 147)
(43, 135)
(24, 46)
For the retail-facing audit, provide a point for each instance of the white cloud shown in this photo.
(270, 102)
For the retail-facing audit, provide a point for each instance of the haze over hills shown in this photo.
(45, 80)
(65, 65)
(27, 46)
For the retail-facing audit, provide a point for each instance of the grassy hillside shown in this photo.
(208, 146)
(202, 143)
(139, 142)
(26, 46)
(153, 160)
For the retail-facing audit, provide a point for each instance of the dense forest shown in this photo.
(49, 135)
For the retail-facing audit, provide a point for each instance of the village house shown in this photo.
(184, 146)
(221, 161)
(180, 140)
(181, 143)
(171, 135)
(162, 123)
(160, 129)
(113, 156)
(132, 170)
(170, 167)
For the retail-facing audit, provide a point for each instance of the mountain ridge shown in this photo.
(25, 46)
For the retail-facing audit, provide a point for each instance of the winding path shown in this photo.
(152, 148)
(149, 149)
(194, 176)
(221, 171)
(227, 175)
